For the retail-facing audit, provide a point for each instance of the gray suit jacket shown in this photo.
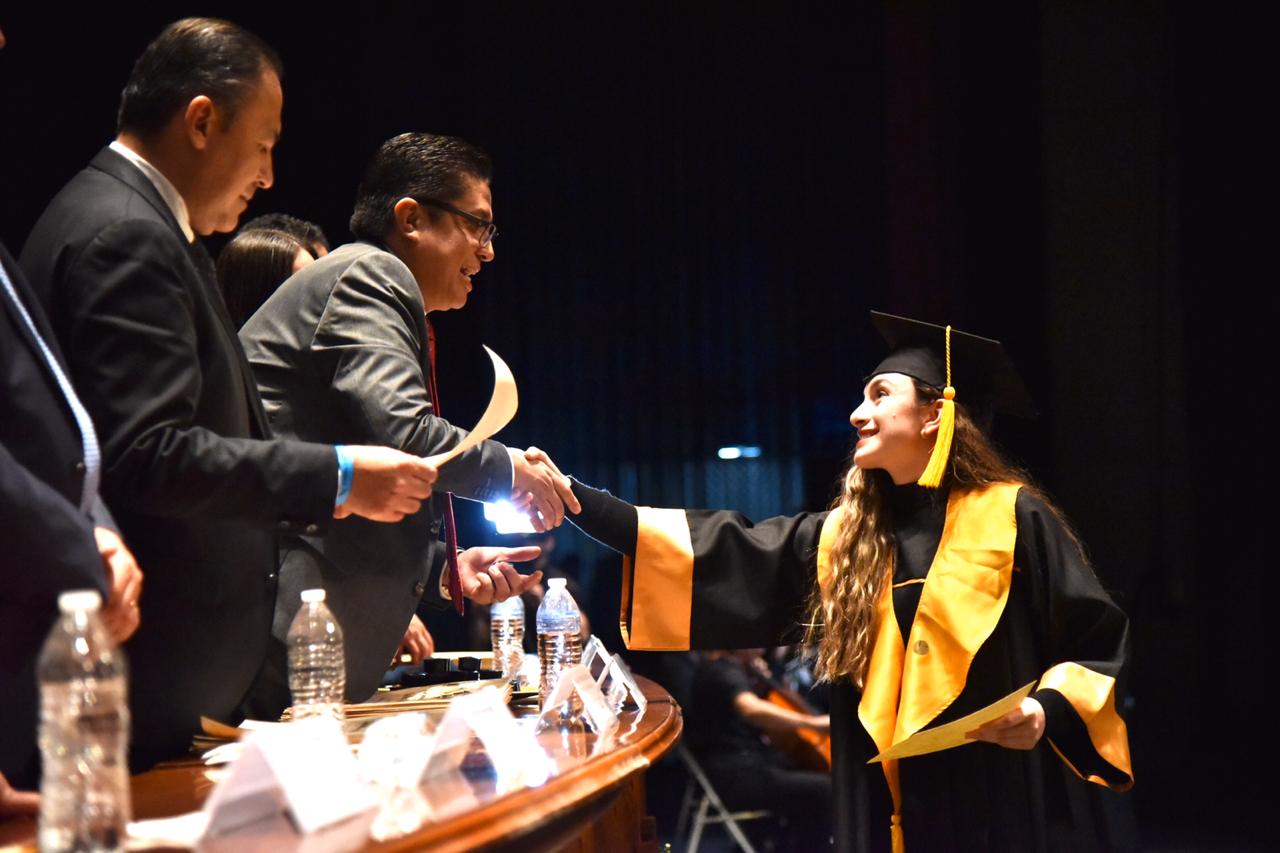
(340, 355)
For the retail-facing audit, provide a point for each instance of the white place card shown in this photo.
(577, 679)
(515, 754)
(619, 672)
(394, 750)
(304, 770)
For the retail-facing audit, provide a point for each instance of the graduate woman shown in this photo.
(940, 581)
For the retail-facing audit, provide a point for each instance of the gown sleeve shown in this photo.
(747, 583)
(1085, 641)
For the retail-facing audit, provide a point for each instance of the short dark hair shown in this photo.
(191, 57)
(252, 266)
(308, 233)
(414, 165)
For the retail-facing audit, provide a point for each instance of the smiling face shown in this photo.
(235, 158)
(895, 430)
(445, 251)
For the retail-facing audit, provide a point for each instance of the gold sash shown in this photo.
(963, 597)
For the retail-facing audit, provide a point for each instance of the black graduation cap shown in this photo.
(981, 372)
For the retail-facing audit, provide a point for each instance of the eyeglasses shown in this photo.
(487, 229)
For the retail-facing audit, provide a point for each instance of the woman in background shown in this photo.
(253, 265)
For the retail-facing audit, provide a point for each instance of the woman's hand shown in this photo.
(1021, 728)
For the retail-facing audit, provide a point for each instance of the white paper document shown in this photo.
(501, 409)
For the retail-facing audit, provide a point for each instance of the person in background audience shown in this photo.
(307, 233)
(253, 265)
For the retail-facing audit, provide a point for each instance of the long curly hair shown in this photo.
(842, 615)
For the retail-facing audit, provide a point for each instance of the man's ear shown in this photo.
(410, 218)
(934, 418)
(198, 121)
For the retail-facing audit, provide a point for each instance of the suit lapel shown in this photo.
(208, 274)
(121, 169)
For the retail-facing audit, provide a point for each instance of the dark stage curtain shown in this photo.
(699, 202)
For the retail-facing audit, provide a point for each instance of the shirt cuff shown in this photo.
(346, 473)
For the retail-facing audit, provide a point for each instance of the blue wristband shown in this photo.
(346, 473)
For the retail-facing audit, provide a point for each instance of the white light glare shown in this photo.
(739, 451)
(506, 518)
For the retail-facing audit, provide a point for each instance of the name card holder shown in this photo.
(621, 684)
(304, 770)
(516, 757)
(592, 648)
(577, 679)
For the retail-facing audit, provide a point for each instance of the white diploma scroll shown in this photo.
(953, 734)
(501, 409)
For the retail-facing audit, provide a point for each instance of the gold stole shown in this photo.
(963, 596)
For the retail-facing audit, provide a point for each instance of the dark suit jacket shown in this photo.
(198, 493)
(48, 542)
(340, 355)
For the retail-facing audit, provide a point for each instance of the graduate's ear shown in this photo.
(932, 415)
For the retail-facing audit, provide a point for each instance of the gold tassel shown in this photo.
(937, 466)
(932, 476)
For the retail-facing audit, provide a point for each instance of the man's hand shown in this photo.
(540, 485)
(124, 585)
(387, 484)
(417, 643)
(487, 575)
(1021, 728)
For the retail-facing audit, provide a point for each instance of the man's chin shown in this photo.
(224, 225)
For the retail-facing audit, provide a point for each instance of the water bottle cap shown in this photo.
(557, 583)
(509, 607)
(311, 596)
(79, 599)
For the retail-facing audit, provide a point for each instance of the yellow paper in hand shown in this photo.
(501, 409)
(953, 733)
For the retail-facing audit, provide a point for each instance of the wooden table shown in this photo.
(593, 801)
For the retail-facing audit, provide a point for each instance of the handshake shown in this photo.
(387, 485)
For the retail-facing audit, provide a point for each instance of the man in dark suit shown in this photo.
(189, 469)
(342, 351)
(56, 538)
(57, 533)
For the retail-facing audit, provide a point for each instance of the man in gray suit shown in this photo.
(343, 351)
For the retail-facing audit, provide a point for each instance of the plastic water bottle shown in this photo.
(559, 641)
(506, 635)
(317, 664)
(84, 731)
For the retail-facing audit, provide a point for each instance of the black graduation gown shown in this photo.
(703, 579)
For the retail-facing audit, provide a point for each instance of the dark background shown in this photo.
(698, 208)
